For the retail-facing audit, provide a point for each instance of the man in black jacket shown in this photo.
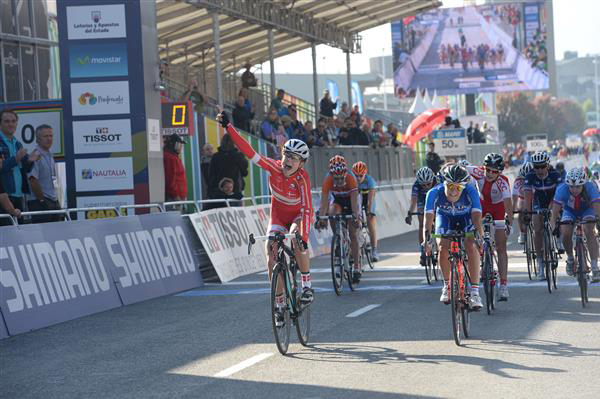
(434, 162)
(242, 115)
(227, 162)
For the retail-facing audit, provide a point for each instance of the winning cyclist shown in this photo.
(367, 188)
(456, 205)
(579, 198)
(424, 182)
(494, 191)
(518, 197)
(291, 202)
(339, 195)
(539, 190)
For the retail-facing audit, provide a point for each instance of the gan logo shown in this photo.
(87, 174)
(96, 16)
(87, 98)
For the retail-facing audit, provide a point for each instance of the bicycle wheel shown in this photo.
(456, 305)
(337, 272)
(581, 271)
(487, 277)
(437, 271)
(282, 334)
(301, 314)
(548, 260)
(369, 256)
(554, 263)
(532, 250)
(428, 270)
(529, 255)
(349, 273)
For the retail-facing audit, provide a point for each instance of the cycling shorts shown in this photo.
(365, 203)
(344, 202)
(497, 211)
(281, 219)
(443, 223)
(584, 214)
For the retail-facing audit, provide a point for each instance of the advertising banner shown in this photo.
(98, 201)
(101, 136)
(53, 272)
(104, 174)
(100, 98)
(450, 142)
(96, 22)
(99, 60)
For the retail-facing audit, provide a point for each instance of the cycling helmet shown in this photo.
(464, 163)
(494, 161)
(525, 169)
(540, 158)
(425, 175)
(576, 177)
(456, 174)
(359, 168)
(298, 147)
(337, 165)
(560, 166)
(596, 175)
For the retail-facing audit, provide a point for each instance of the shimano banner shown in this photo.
(50, 273)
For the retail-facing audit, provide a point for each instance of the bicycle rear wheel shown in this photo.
(581, 271)
(548, 260)
(456, 304)
(428, 270)
(282, 334)
(301, 315)
(529, 254)
(369, 256)
(337, 268)
(437, 271)
(487, 278)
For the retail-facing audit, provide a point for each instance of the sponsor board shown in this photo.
(113, 201)
(96, 22)
(30, 119)
(98, 136)
(100, 98)
(102, 174)
(98, 60)
(52, 273)
(450, 142)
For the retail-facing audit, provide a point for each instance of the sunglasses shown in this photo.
(455, 186)
(540, 166)
(492, 171)
(293, 156)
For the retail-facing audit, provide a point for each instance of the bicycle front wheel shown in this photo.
(337, 268)
(369, 256)
(437, 271)
(581, 271)
(455, 302)
(428, 270)
(529, 254)
(548, 260)
(278, 285)
(487, 278)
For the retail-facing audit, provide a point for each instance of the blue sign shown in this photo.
(98, 60)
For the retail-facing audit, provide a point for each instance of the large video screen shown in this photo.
(472, 49)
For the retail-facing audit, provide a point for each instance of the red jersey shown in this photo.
(289, 195)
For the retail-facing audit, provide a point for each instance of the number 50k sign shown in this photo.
(450, 142)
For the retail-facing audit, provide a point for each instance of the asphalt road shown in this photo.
(217, 342)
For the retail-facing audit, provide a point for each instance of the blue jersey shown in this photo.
(452, 215)
(367, 185)
(543, 189)
(579, 203)
(420, 192)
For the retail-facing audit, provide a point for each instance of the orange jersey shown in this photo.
(345, 190)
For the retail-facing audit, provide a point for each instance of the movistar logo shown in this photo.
(83, 61)
(98, 60)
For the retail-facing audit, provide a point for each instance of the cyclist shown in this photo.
(456, 204)
(494, 191)
(367, 188)
(539, 188)
(424, 182)
(518, 196)
(291, 203)
(339, 195)
(560, 168)
(579, 198)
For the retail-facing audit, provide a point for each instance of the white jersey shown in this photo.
(491, 192)
(518, 187)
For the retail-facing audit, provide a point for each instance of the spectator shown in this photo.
(277, 103)
(433, 160)
(175, 178)
(297, 128)
(355, 115)
(321, 133)
(393, 134)
(192, 94)
(5, 205)
(470, 131)
(16, 163)
(332, 130)
(227, 162)
(311, 140)
(478, 135)
(361, 136)
(206, 154)
(241, 115)
(269, 126)
(448, 123)
(225, 191)
(248, 78)
(326, 105)
(42, 177)
(244, 93)
(286, 121)
(344, 112)
(378, 137)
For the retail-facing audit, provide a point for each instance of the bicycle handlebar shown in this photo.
(279, 237)
(335, 217)
(415, 213)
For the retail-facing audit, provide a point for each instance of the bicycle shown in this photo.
(582, 258)
(550, 254)
(340, 251)
(429, 262)
(365, 241)
(459, 285)
(529, 251)
(283, 279)
(489, 273)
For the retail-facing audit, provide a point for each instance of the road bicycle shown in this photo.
(489, 262)
(365, 242)
(429, 262)
(459, 285)
(549, 252)
(284, 280)
(340, 253)
(529, 251)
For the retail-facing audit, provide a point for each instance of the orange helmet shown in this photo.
(337, 165)
(359, 168)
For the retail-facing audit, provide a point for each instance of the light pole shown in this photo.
(385, 105)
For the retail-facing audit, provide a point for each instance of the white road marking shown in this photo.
(242, 365)
(360, 311)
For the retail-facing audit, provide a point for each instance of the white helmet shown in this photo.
(464, 163)
(298, 147)
(540, 158)
(525, 169)
(424, 175)
(576, 177)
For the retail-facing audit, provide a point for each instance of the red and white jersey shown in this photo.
(490, 192)
(288, 194)
(518, 187)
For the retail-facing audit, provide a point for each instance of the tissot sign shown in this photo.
(98, 136)
(96, 22)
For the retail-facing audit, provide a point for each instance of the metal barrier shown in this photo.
(49, 212)
(476, 152)
(11, 218)
(176, 203)
(139, 206)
